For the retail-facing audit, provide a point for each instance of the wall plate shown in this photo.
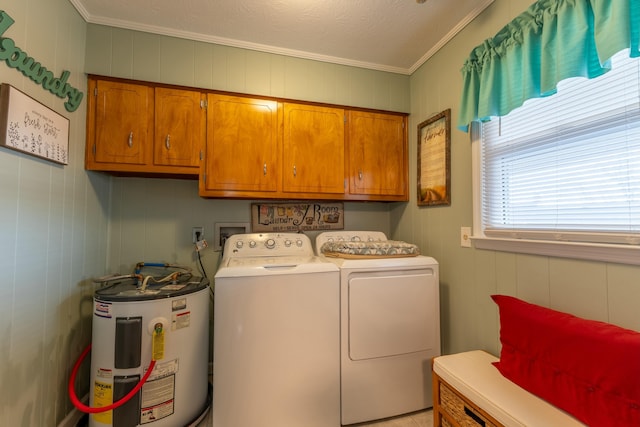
(222, 231)
(465, 237)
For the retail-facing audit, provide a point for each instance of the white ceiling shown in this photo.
(388, 35)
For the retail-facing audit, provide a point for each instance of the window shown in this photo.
(565, 169)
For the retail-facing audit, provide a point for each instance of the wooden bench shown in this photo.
(468, 391)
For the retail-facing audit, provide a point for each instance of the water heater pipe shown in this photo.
(91, 410)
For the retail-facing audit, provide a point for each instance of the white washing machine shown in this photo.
(390, 330)
(276, 334)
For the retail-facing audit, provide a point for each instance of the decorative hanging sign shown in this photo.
(21, 61)
(30, 127)
(434, 160)
(294, 217)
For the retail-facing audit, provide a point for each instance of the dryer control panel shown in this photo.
(267, 244)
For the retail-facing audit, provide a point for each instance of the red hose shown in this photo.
(88, 409)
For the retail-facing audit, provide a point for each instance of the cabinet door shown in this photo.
(123, 123)
(179, 127)
(242, 144)
(313, 153)
(377, 154)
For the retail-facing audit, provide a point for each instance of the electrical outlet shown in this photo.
(465, 237)
(197, 234)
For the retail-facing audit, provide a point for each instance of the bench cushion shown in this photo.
(588, 368)
(473, 375)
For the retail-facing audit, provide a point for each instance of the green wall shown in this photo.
(468, 276)
(151, 219)
(141, 56)
(53, 232)
(601, 291)
(62, 226)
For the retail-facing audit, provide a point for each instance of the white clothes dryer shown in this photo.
(276, 334)
(390, 330)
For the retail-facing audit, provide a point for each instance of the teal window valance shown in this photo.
(551, 41)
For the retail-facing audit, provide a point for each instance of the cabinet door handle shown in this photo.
(295, 172)
(360, 175)
(167, 142)
(130, 143)
(264, 169)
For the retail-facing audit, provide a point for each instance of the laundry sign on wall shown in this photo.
(39, 74)
(293, 217)
(30, 127)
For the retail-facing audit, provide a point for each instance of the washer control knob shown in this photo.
(355, 239)
(299, 243)
(252, 243)
(270, 243)
(287, 243)
(239, 244)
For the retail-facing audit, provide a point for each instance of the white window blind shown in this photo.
(567, 167)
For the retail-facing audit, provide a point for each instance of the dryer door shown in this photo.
(392, 313)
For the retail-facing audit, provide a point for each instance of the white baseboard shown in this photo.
(73, 417)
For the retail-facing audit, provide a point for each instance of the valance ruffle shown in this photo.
(551, 41)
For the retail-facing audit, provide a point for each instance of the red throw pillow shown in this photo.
(588, 368)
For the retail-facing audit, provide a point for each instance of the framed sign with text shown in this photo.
(28, 126)
(298, 216)
(434, 160)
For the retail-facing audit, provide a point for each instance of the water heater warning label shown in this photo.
(102, 309)
(102, 396)
(157, 399)
(178, 304)
(181, 320)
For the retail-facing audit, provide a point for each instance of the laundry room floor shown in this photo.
(415, 419)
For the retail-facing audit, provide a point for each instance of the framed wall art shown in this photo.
(297, 216)
(28, 126)
(434, 160)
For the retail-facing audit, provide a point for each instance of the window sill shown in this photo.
(623, 254)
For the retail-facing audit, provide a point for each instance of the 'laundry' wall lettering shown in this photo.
(20, 60)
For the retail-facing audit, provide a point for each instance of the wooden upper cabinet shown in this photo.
(179, 127)
(313, 149)
(138, 128)
(243, 146)
(123, 119)
(377, 146)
